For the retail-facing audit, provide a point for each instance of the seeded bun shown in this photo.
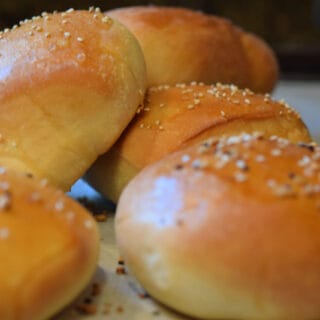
(181, 45)
(174, 117)
(229, 229)
(48, 248)
(70, 83)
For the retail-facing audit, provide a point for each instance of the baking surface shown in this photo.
(121, 297)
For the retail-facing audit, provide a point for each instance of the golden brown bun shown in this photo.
(70, 83)
(181, 115)
(181, 45)
(228, 230)
(48, 248)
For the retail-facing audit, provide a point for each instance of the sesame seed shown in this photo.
(106, 19)
(67, 35)
(199, 164)
(233, 140)
(190, 106)
(70, 215)
(196, 101)
(276, 152)
(4, 185)
(284, 190)
(185, 158)
(202, 148)
(304, 161)
(246, 137)
(35, 197)
(308, 172)
(70, 10)
(240, 177)
(181, 85)
(260, 158)
(43, 183)
(88, 224)
(247, 101)
(241, 164)
(79, 39)
(161, 105)
(271, 183)
(5, 200)
(222, 113)
(59, 205)
(4, 233)
(81, 57)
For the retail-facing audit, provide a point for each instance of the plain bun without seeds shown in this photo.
(228, 229)
(182, 45)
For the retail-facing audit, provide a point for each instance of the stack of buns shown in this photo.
(206, 226)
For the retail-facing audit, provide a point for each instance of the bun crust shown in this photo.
(48, 248)
(67, 92)
(181, 45)
(174, 117)
(229, 229)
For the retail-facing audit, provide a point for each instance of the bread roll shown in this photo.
(181, 45)
(229, 229)
(176, 116)
(70, 83)
(48, 248)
